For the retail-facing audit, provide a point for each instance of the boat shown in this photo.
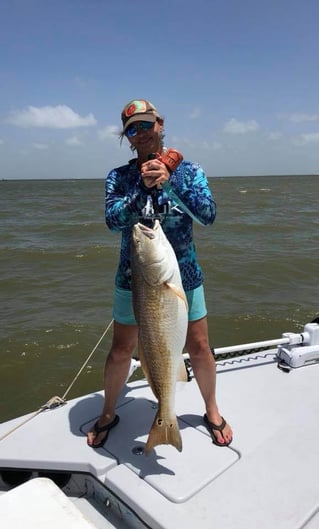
(268, 478)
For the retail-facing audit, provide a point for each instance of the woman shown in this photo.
(134, 192)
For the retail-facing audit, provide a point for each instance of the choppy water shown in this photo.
(260, 260)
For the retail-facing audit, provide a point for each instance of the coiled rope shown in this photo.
(56, 401)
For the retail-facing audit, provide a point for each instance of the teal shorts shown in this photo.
(123, 308)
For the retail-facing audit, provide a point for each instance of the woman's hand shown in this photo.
(154, 173)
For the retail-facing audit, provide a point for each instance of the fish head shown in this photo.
(152, 254)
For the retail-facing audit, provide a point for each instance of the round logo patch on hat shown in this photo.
(135, 107)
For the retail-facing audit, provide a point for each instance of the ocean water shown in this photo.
(58, 259)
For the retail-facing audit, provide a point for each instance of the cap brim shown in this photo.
(140, 117)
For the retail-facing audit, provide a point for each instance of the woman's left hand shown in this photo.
(154, 173)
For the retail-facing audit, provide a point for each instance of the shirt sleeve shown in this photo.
(124, 199)
(188, 187)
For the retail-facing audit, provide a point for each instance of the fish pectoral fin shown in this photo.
(178, 291)
(164, 432)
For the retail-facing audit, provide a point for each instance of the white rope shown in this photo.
(54, 402)
(88, 358)
(20, 424)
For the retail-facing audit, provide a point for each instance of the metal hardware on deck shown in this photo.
(138, 450)
(54, 402)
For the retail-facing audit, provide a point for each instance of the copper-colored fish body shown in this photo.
(161, 312)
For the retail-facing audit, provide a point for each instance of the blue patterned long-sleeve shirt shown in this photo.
(189, 198)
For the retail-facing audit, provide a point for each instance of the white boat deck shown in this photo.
(267, 479)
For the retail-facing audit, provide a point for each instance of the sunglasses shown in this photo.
(133, 129)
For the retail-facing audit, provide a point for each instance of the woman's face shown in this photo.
(147, 141)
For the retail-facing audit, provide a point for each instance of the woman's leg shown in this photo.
(204, 369)
(115, 374)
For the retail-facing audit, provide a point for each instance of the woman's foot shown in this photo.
(221, 433)
(97, 436)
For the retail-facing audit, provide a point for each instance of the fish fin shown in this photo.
(164, 432)
(178, 291)
(182, 375)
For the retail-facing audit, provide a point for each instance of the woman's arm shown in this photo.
(124, 199)
(188, 187)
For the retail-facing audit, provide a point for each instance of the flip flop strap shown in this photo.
(102, 429)
(217, 427)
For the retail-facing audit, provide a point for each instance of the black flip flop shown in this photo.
(101, 429)
(219, 427)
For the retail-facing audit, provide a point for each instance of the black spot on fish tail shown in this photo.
(164, 432)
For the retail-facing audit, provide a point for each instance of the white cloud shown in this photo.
(233, 126)
(73, 140)
(40, 146)
(108, 132)
(59, 117)
(300, 118)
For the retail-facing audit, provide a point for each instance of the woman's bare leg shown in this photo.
(116, 370)
(204, 369)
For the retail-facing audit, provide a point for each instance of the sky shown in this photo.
(237, 82)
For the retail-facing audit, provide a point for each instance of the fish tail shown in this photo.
(164, 432)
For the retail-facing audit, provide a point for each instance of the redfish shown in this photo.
(161, 311)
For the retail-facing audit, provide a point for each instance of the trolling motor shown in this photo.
(301, 349)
